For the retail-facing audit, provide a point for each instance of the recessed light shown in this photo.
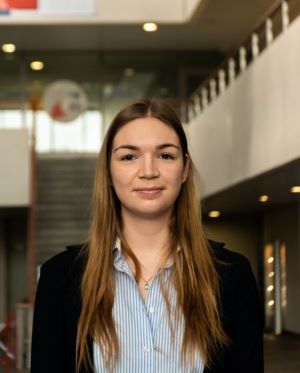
(8, 48)
(150, 27)
(263, 198)
(214, 214)
(271, 302)
(270, 288)
(129, 71)
(271, 259)
(295, 189)
(37, 65)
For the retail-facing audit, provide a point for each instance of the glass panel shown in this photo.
(84, 134)
(67, 136)
(43, 132)
(11, 119)
(93, 124)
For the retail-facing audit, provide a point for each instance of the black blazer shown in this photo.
(57, 310)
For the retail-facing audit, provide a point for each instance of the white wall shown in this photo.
(254, 125)
(283, 224)
(191, 6)
(109, 11)
(14, 168)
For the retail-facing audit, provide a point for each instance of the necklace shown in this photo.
(147, 283)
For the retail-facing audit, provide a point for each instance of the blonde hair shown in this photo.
(194, 275)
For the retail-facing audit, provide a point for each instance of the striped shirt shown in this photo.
(144, 329)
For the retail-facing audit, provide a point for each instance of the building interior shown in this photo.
(231, 71)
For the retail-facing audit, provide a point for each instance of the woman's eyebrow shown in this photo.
(134, 147)
(131, 147)
(162, 146)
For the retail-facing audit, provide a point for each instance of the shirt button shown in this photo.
(151, 309)
(146, 349)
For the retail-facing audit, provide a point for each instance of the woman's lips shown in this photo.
(149, 192)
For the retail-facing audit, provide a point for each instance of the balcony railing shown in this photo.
(273, 23)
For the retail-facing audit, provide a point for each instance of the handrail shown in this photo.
(215, 83)
(268, 14)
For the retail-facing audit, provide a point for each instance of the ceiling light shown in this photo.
(150, 27)
(295, 189)
(271, 260)
(214, 214)
(263, 198)
(271, 302)
(37, 65)
(128, 71)
(270, 288)
(271, 274)
(8, 48)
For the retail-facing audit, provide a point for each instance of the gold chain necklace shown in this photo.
(147, 283)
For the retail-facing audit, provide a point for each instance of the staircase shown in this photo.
(63, 203)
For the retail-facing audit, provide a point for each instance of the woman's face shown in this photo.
(147, 167)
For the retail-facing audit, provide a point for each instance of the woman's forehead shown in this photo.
(146, 131)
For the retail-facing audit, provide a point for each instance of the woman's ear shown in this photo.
(186, 168)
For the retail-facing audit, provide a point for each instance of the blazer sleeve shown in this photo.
(47, 350)
(247, 339)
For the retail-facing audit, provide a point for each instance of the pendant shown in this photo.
(146, 286)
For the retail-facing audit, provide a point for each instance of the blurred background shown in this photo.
(230, 69)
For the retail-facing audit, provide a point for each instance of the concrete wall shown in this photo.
(254, 125)
(14, 168)
(283, 225)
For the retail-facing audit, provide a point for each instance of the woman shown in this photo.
(147, 292)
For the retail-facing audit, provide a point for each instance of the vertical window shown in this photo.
(83, 135)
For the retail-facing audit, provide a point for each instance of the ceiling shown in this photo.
(216, 25)
(242, 198)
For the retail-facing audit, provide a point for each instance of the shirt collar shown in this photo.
(117, 250)
(118, 254)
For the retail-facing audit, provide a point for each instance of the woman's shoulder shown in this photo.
(226, 256)
(231, 265)
(70, 260)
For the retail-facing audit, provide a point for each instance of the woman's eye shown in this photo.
(166, 156)
(128, 157)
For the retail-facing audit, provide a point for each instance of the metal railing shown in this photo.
(273, 23)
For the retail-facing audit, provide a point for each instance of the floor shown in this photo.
(282, 354)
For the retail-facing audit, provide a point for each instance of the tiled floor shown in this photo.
(282, 354)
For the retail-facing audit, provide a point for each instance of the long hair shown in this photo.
(194, 275)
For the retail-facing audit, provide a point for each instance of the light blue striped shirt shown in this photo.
(146, 341)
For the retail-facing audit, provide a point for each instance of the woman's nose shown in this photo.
(148, 168)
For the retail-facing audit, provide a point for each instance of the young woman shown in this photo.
(147, 292)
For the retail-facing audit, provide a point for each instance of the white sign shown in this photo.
(64, 100)
(66, 6)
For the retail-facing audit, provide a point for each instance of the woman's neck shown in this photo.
(148, 239)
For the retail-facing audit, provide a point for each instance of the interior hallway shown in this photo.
(282, 354)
